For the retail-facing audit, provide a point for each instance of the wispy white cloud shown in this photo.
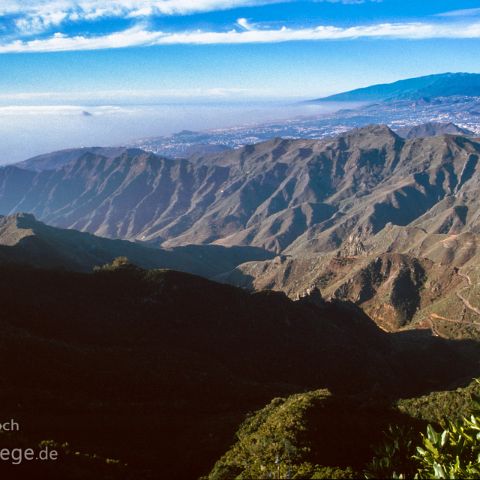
(140, 36)
(39, 23)
(138, 7)
(46, 13)
(114, 7)
(21, 110)
(35, 16)
(57, 99)
(469, 12)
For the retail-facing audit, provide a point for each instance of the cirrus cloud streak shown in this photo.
(140, 36)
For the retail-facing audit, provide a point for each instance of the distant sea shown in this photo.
(26, 131)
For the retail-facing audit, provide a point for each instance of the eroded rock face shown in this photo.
(352, 247)
(312, 296)
(396, 278)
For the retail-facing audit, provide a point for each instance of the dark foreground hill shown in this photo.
(157, 368)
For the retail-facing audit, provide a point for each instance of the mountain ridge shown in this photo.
(280, 195)
(26, 241)
(432, 129)
(54, 160)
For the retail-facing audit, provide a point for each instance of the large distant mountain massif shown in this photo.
(149, 303)
(436, 100)
(431, 86)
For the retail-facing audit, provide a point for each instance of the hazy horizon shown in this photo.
(120, 55)
(30, 130)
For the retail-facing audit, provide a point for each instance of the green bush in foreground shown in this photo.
(454, 452)
(451, 453)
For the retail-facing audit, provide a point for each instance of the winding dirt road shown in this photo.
(463, 299)
(468, 305)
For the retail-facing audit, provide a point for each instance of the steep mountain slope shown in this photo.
(283, 195)
(403, 277)
(157, 368)
(264, 195)
(23, 240)
(432, 176)
(387, 223)
(439, 85)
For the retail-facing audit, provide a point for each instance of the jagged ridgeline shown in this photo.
(26, 241)
(293, 196)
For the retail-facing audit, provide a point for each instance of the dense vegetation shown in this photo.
(316, 435)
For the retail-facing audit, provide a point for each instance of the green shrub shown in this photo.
(454, 452)
(393, 457)
(274, 443)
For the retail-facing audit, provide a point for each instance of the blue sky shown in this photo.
(143, 51)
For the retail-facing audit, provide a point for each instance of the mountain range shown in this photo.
(287, 196)
(389, 223)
